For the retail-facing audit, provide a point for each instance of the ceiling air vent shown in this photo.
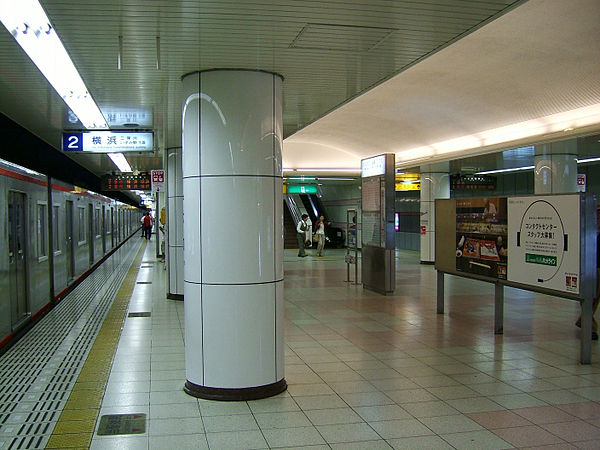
(349, 38)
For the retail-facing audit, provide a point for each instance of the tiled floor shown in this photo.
(369, 372)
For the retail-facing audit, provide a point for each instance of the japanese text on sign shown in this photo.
(158, 180)
(107, 142)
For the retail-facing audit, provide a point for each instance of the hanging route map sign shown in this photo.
(544, 241)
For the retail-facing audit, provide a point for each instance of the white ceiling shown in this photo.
(530, 73)
(500, 62)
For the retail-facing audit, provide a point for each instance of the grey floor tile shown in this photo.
(348, 433)
(234, 422)
(179, 441)
(320, 402)
(287, 419)
(382, 412)
(180, 425)
(174, 410)
(420, 442)
(476, 440)
(289, 437)
(333, 416)
(366, 399)
(450, 424)
(475, 404)
(167, 397)
(513, 401)
(214, 408)
(393, 429)
(120, 443)
(371, 445)
(236, 439)
(274, 405)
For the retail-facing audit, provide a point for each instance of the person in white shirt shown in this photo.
(301, 229)
(320, 233)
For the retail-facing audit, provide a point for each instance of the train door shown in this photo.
(69, 243)
(17, 257)
(103, 225)
(112, 227)
(91, 232)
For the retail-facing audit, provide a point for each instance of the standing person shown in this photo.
(148, 225)
(143, 227)
(597, 294)
(320, 233)
(301, 234)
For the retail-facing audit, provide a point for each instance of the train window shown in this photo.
(81, 225)
(40, 230)
(55, 229)
(98, 222)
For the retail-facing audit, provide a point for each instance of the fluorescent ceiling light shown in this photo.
(514, 169)
(587, 160)
(31, 28)
(120, 161)
(518, 169)
(323, 170)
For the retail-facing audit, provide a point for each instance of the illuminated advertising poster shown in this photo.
(544, 242)
(481, 236)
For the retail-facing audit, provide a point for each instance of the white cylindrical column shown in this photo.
(175, 223)
(435, 183)
(556, 167)
(233, 234)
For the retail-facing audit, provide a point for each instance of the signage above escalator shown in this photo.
(302, 189)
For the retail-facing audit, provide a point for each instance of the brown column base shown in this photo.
(235, 395)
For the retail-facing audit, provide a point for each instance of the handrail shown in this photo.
(293, 208)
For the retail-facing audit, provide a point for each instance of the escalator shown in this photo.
(289, 229)
(314, 207)
(334, 236)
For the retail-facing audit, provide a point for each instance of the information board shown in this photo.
(158, 180)
(126, 182)
(371, 195)
(544, 243)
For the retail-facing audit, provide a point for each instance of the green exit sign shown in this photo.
(302, 189)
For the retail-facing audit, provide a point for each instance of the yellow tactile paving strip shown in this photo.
(77, 421)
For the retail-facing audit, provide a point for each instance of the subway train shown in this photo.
(50, 238)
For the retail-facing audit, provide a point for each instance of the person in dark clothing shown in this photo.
(301, 234)
(597, 296)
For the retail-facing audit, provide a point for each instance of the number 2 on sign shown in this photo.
(73, 142)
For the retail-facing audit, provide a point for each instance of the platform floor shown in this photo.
(364, 371)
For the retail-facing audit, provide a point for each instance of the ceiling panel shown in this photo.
(328, 52)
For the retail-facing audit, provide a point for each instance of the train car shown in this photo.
(47, 234)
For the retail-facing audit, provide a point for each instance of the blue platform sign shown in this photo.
(108, 141)
(73, 142)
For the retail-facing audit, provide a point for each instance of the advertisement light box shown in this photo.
(108, 142)
(372, 166)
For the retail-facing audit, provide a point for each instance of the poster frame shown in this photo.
(588, 272)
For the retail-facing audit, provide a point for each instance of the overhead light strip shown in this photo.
(519, 169)
(587, 160)
(322, 170)
(514, 169)
(120, 161)
(31, 28)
